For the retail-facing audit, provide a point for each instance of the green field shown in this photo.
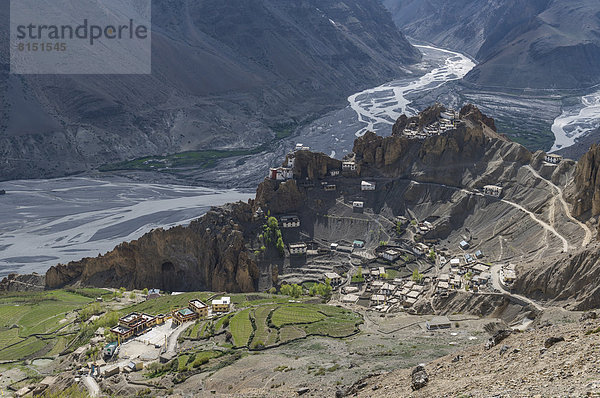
(241, 328)
(167, 303)
(276, 323)
(35, 324)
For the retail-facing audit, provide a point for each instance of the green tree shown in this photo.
(416, 276)
(432, 255)
(280, 247)
(272, 223)
(122, 289)
(132, 296)
(145, 291)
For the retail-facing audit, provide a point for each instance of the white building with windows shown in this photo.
(553, 158)
(367, 186)
(298, 248)
(349, 166)
(492, 190)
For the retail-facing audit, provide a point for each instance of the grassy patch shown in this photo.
(289, 333)
(294, 314)
(264, 336)
(25, 315)
(165, 304)
(241, 328)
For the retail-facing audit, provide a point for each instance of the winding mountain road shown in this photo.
(559, 195)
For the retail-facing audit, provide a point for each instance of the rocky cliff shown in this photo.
(458, 158)
(573, 281)
(209, 254)
(584, 195)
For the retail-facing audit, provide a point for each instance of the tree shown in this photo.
(280, 247)
(359, 272)
(122, 289)
(416, 276)
(272, 290)
(432, 255)
(272, 223)
(145, 291)
(132, 296)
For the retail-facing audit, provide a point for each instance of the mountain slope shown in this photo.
(540, 44)
(224, 75)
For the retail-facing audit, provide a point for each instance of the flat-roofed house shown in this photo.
(348, 166)
(298, 248)
(464, 245)
(334, 278)
(553, 158)
(391, 255)
(358, 205)
(199, 308)
(334, 173)
(493, 190)
(438, 322)
(367, 186)
(122, 332)
(183, 315)
(289, 221)
(221, 305)
(358, 243)
(377, 299)
(137, 322)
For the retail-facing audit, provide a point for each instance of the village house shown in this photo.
(377, 299)
(301, 147)
(387, 289)
(508, 275)
(401, 219)
(334, 278)
(391, 255)
(443, 287)
(478, 254)
(137, 322)
(221, 305)
(358, 243)
(334, 173)
(122, 332)
(329, 187)
(281, 174)
(358, 205)
(289, 221)
(455, 262)
(183, 315)
(438, 322)
(493, 190)
(349, 166)
(553, 158)
(464, 245)
(367, 186)
(152, 294)
(298, 248)
(420, 249)
(199, 308)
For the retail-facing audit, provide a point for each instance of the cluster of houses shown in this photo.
(135, 323)
(447, 122)
(384, 294)
(470, 275)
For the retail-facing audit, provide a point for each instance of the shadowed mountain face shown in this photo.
(224, 74)
(540, 44)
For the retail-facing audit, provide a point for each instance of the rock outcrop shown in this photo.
(455, 158)
(209, 254)
(569, 280)
(585, 195)
(22, 283)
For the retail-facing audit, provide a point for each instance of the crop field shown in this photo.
(36, 323)
(241, 328)
(272, 324)
(164, 304)
(293, 314)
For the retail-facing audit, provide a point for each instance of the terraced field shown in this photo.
(272, 324)
(36, 323)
